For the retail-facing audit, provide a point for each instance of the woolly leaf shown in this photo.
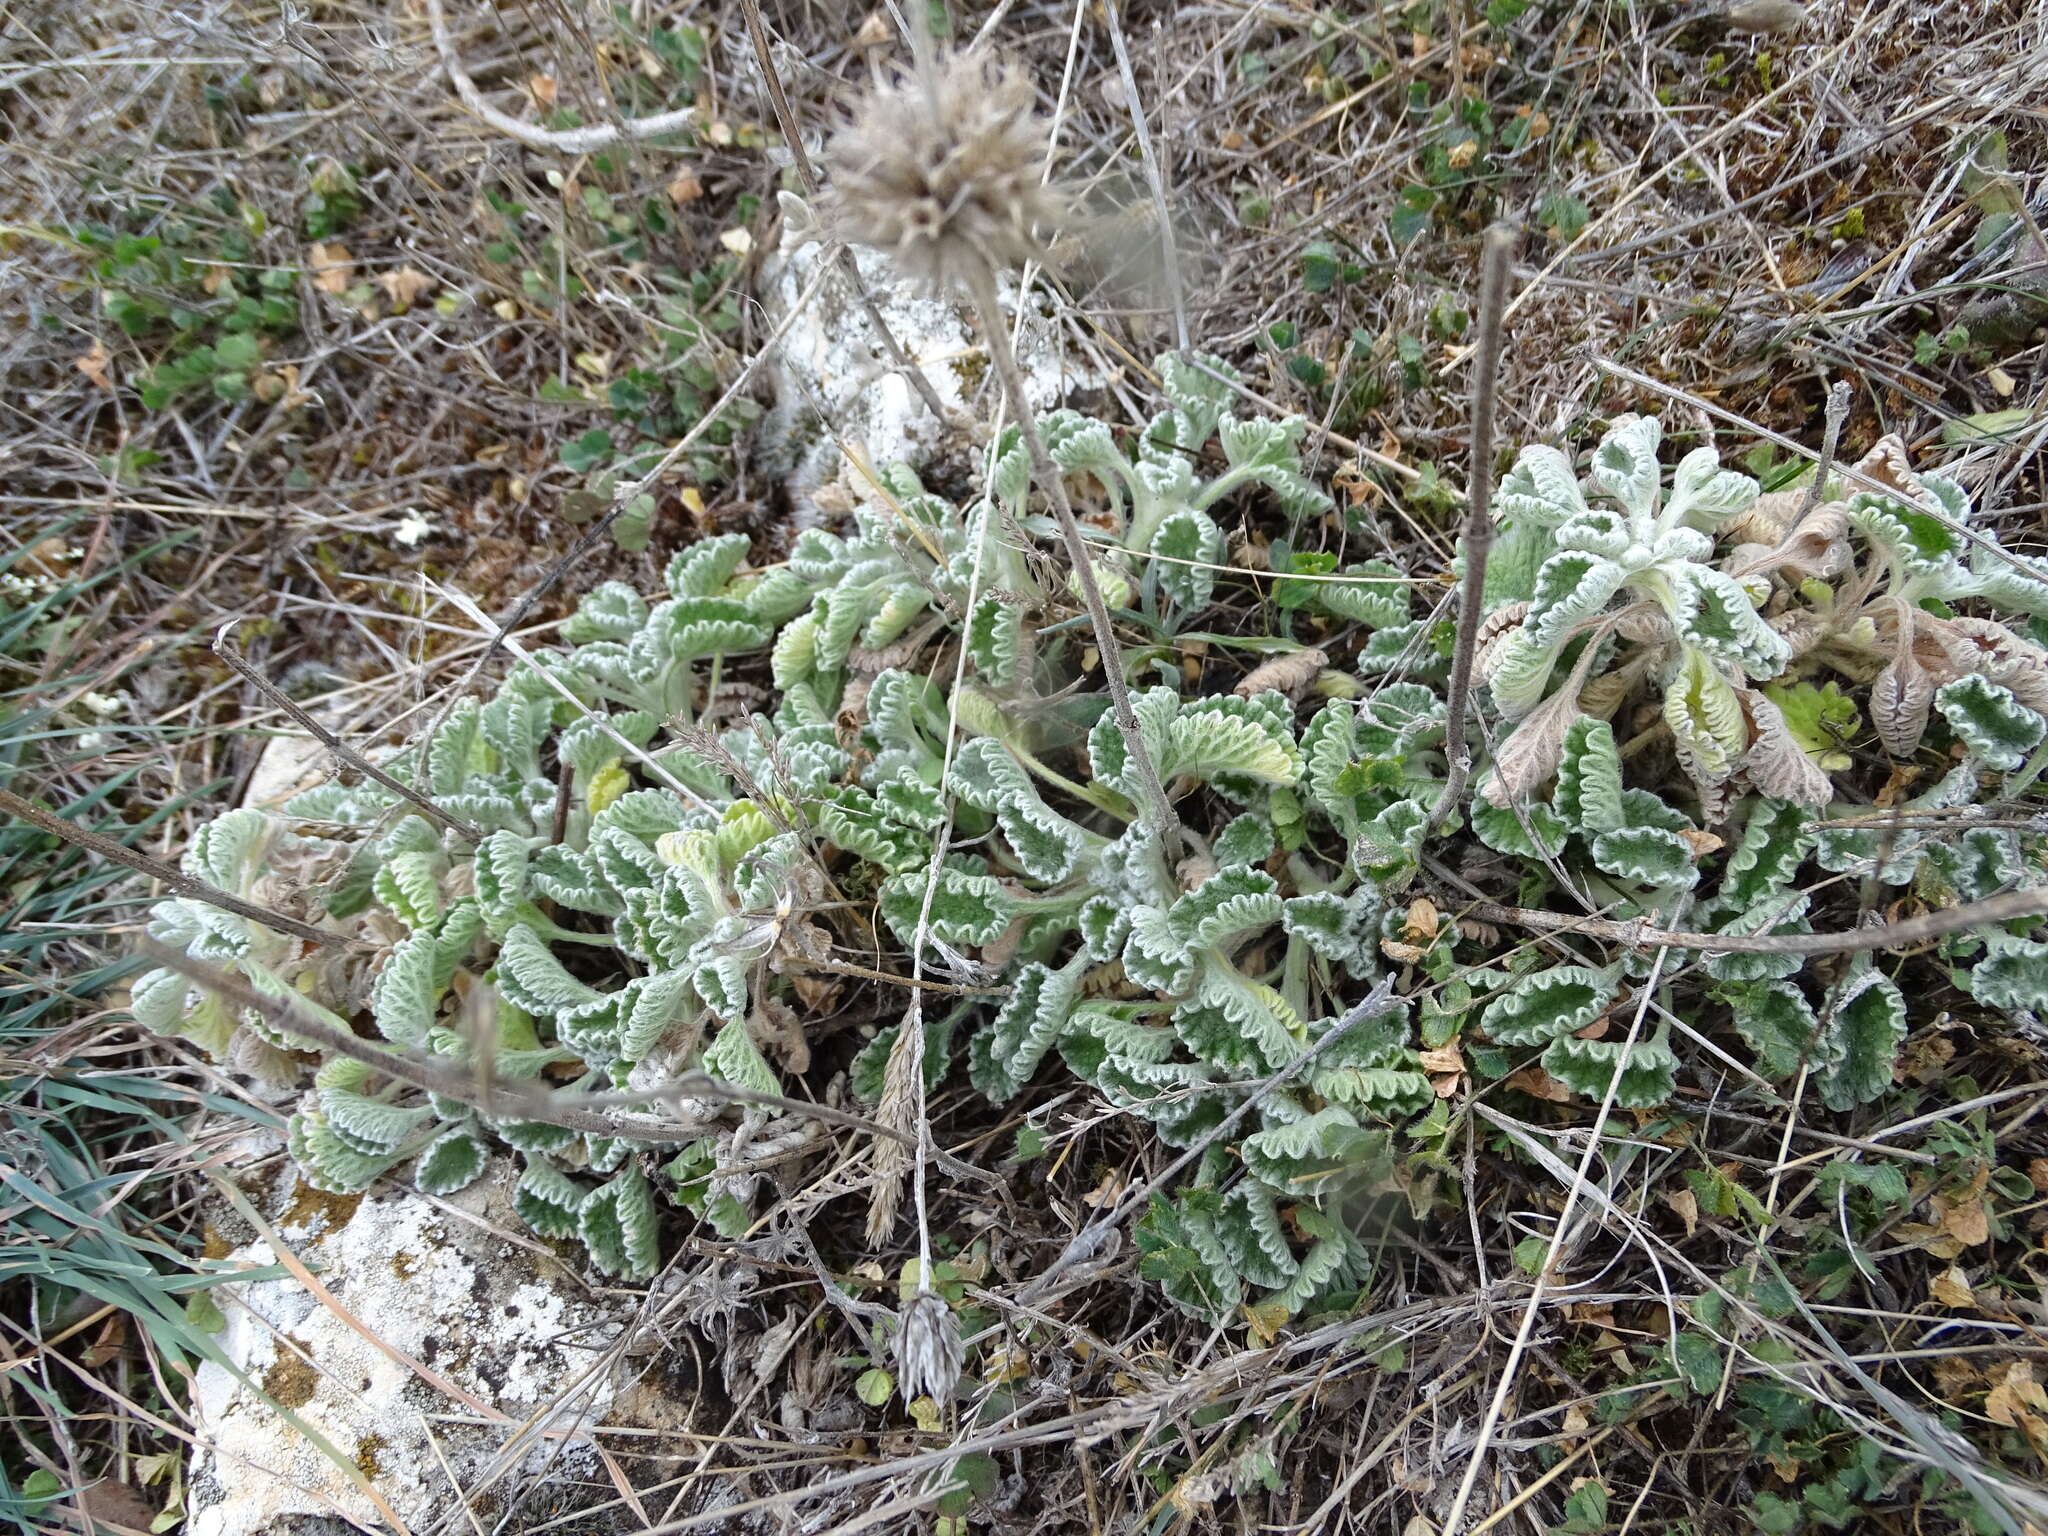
(1343, 930)
(853, 821)
(1247, 839)
(548, 1200)
(1532, 831)
(692, 627)
(572, 880)
(1229, 903)
(369, 1125)
(1153, 956)
(1776, 1022)
(734, 1058)
(500, 874)
(1389, 845)
(407, 991)
(1179, 1251)
(2013, 976)
(620, 1227)
(1774, 912)
(1547, 1005)
(1588, 793)
(1625, 463)
(995, 639)
(1647, 856)
(1862, 1038)
(1775, 841)
(1254, 1235)
(1571, 588)
(452, 755)
(1918, 541)
(1029, 1024)
(1648, 1070)
(1265, 451)
(530, 975)
(867, 1073)
(610, 611)
(1238, 1024)
(1518, 671)
(1186, 550)
(1705, 716)
(1313, 1155)
(1541, 490)
(1188, 381)
(650, 1004)
(452, 1161)
(1375, 595)
(987, 777)
(1717, 615)
(325, 1161)
(707, 566)
(1988, 720)
(965, 908)
(795, 654)
(1704, 495)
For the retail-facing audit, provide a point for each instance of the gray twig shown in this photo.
(226, 651)
(170, 875)
(1494, 261)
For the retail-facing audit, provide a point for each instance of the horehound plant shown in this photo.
(650, 887)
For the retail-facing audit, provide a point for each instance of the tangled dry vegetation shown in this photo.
(370, 329)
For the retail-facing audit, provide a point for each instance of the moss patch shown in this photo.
(292, 1379)
(308, 1202)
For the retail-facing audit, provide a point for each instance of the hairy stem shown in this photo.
(1158, 809)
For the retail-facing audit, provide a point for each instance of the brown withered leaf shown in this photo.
(1952, 1288)
(93, 364)
(1962, 1214)
(1687, 1205)
(1538, 1084)
(1288, 674)
(1900, 701)
(1422, 922)
(406, 287)
(1528, 758)
(332, 267)
(1775, 762)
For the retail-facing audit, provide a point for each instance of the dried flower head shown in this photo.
(946, 175)
(928, 1349)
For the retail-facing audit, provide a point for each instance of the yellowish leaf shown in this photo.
(93, 364)
(1687, 1205)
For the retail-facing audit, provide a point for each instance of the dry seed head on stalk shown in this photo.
(928, 1349)
(946, 176)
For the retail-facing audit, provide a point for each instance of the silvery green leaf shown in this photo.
(1188, 380)
(1230, 903)
(1921, 543)
(1532, 831)
(2012, 974)
(451, 1162)
(620, 1227)
(1315, 1154)
(1186, 551)
(1776, 1022)
(1571, 588)
(1626, 466)
(1704, 495)
(455, 751)
(1644, 1074)
(530, 975)
(1588, 794)
(965, 908)
(734, 1058)
(1776, 838)
(610, 611)
(1541, 490)
(1374, 593)
(1029, 1024)
(1266, 451)
(325, 1161)
(1861, 1039)
(1254, 1235)
(1247, 839)
(1990, 721)
(651, 1004)
(1647, 856)
(1717, 615)
(548, 1200)
(1154, 956)
(1549, 1004)
(706, 568)
(1776, 911)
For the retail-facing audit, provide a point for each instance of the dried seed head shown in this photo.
(928, 1349)
(946, 177)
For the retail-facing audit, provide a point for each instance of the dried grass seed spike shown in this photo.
(947, 178)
